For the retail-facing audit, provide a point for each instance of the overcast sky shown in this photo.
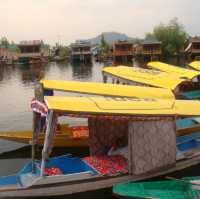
(68, 20)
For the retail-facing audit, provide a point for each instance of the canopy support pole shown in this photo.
(39, 95)
(36, 131)
(47, 141)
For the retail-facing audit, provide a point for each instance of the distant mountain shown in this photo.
(110, 37)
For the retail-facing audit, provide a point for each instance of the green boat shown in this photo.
(166, 189)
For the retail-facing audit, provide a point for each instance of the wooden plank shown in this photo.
(186, 131)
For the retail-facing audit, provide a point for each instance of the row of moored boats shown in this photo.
(145, 123)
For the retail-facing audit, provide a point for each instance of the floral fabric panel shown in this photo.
(108, 165)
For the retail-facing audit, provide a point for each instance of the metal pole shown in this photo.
(48, 133)
(36, 123)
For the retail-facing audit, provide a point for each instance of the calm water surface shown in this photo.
(16, 91)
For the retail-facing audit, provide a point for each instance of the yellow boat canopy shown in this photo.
(108, 89)
(175, 70)
(144, 76)
(195, 65)
(122, 106)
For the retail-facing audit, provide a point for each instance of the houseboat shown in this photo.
(81, 52)
(8, 55)
(149, 49)
(33, 52)
(192, 50)
(122, 53)
(144, 128)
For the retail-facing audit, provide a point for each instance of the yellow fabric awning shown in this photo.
(195, 65)
(122, 106)
(174, 70)
(108, 89)
(144, 76)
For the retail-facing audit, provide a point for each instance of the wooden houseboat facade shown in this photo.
(8, 55)
(192, 50)
(122, 53)
(149, 49)
(32, 52)
(81, 52)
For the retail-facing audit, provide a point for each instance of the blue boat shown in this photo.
(188, 142)
(69, 167)
(187, 125)
(149, 123)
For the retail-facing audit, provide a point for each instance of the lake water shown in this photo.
(17, 90)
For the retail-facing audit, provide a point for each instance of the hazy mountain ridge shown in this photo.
(109, 37)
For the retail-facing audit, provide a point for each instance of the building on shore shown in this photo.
(192, 50)
(122, 53)
(149, 49)
(81, 52)
(9, 54)
(33, 52)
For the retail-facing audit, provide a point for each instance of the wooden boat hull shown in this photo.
(66, 188)
(157, 189)
(64, 138)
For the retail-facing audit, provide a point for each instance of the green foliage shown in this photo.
(149, 36)
(104, 45)
(172, 36)
(63, 51)
(4, 42)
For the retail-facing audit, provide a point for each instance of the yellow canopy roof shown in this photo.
(175, 70)
(122, 106)
(195, 65)
(144, 76)
(107, 89)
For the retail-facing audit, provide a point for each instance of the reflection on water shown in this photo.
(16, 88)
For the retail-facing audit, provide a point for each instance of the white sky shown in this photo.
(68, 20)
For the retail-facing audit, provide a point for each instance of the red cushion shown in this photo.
(52, 171)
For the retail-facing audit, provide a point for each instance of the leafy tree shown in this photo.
(149, 36)
(104, 45)
(4, 42)
(64, 51)
(172, 36)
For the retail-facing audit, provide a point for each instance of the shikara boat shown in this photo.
(78, 136)
(188, 142)
(195, 65)
(193, 91)
(102, 89)
(146, 127)
(166, 189)
(182, 87)
(65, 137)
(176, 70)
